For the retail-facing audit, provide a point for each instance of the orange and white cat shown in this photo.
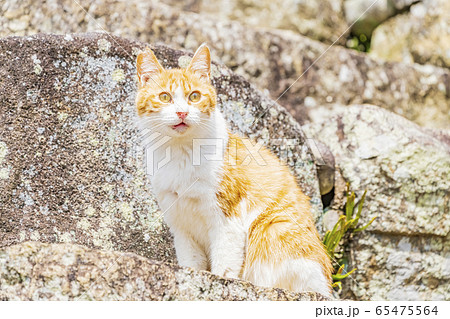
(231, 216)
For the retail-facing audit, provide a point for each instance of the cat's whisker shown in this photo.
(152, 119)
(153, 128)
(158, 120)
(208, 126)
(151, 122)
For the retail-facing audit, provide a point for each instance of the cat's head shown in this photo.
(175, 102)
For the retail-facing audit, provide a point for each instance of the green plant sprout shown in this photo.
(346, 224)
(360, 43)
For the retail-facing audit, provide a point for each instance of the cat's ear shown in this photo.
(147, 66)
(201, 62)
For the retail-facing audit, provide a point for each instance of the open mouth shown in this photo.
(180, 127)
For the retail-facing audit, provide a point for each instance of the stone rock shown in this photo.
(366, 15)
(397, 267)
(330, 218)
(325, 166)
(313, 73)
(402, 5)
(406, 171)
(37, 271)
(71, 163)
(403, 167)
(421, 35)
(321, 20)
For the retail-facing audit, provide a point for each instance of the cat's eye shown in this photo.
(195, 96)
(165, 97)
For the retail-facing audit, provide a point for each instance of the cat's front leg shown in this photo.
(228, 241)
(189, 253)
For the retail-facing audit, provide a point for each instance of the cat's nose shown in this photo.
(182, 115)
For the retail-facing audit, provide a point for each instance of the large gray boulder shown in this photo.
(321, 20)
(37, 271)
(273, 60)
(71, 164)
(405, 253)
(366, 15)
(421, 35)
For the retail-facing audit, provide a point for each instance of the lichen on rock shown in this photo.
(38, 271)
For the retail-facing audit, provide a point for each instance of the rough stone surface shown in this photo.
(368, 14)
(397, 267)
(421, 35)
(273, 60)
(405, 254)
(402, 166)
(71, 165)
(325, 166)
(37, 271)
(321, 20)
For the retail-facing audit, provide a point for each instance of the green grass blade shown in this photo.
(340, 270)
(340, 276)
(326, 237)
(364, 227)
(360, 205)
(350, 205)
(337, 284)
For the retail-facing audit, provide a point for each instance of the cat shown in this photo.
(231, 216)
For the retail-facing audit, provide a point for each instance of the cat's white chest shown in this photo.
(186, 194)
(184, 178)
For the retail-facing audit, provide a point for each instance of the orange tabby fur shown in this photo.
(286, 228)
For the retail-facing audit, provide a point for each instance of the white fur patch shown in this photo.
(298, 275)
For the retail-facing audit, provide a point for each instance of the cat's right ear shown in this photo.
(147, 66)
(201, 62)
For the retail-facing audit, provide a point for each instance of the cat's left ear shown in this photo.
(201, 62)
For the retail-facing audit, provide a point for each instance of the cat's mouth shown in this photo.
(180, 127)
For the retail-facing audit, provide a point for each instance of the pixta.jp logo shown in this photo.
(157, 152)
